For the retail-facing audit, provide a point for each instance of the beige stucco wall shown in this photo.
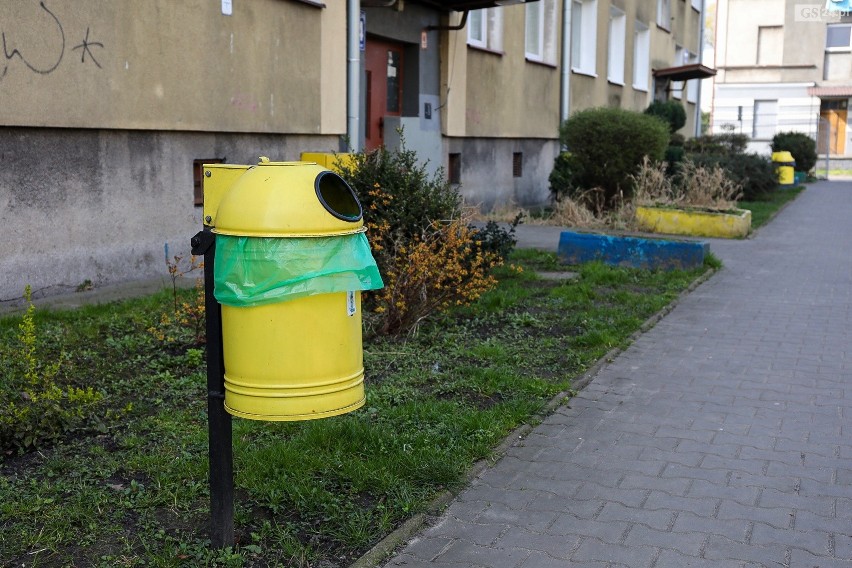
(588, 91)
(271, 66)
(99, 205)
(498, 95)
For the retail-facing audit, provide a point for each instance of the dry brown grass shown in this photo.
(695, 186)
(566, 212)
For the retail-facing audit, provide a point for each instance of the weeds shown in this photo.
(315, 493)
(34, 408)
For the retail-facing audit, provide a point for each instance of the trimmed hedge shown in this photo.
(671, 112)
(802, 146)
(606, 146)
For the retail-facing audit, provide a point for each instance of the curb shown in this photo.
(382, 550)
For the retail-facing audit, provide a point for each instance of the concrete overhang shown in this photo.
(684, 72)
(464, 5)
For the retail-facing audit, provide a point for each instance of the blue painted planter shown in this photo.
(635, 252)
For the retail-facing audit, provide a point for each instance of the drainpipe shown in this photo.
(565, 80)
(700, 60)
(353, 74)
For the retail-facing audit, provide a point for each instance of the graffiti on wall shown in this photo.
(45, 60)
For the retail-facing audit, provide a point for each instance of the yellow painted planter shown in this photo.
(694, 223)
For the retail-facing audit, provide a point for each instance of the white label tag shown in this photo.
(227, 7)
(350, 303)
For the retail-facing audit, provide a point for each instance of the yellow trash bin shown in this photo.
(786, 168)
(291, 261)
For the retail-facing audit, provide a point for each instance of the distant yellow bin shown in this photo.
(786, 167)
(294, 357)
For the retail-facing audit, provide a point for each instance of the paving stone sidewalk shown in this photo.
(718, 439)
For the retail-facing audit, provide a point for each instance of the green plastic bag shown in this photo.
(254, 271)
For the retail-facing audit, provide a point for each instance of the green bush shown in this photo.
(607, 146)
(723, 144)
(674, 155)
(34, 408)
(754, 173)
(799, 144)
(565, 169)
(671, 112)
(429, 257)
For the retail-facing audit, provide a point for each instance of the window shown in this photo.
(617, 37)
(696, 5)
(838, 37)
(584, 24)
(198, 178)
(837, 45)
(540, 31)
(692, 85)
(664, 14)
(677, 87)
(765, 119)
(485, 29)
(517, 164)
(770, 45)
(641, 56)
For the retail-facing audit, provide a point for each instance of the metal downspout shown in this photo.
(700, 60)
(565, 79)
(353, 75)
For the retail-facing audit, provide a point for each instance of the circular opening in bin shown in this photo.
(337, 197)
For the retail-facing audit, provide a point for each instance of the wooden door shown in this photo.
(383, 88)
(836, 119)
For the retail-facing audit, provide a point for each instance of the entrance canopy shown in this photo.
(462, 5)
(684, 72)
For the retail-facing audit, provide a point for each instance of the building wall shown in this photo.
(99, 205)
(797, 110)
(162, 65)
(105, 105)
(747, 78)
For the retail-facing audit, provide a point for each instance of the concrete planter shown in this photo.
(694, 223)
(634, 252)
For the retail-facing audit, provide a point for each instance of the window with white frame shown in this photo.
(664, 14)
(485, 29)
(641, 56)
(677, 87)
(838, 37)
(540, 31)
(693, 85)
(584, 25)
(765, 119)
(615, 54)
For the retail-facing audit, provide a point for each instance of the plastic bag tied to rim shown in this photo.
(255, 271)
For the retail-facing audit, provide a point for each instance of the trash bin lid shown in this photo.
(783, 156)
(289, 199)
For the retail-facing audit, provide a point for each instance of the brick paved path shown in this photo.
(718, 439)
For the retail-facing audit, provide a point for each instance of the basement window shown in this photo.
(518, 164)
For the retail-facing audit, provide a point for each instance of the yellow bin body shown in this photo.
(784, 164)
(294, 360)
(299, 359)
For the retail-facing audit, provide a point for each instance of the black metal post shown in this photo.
(218, 420)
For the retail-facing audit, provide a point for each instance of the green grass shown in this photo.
(132, 491)
(763, 211)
